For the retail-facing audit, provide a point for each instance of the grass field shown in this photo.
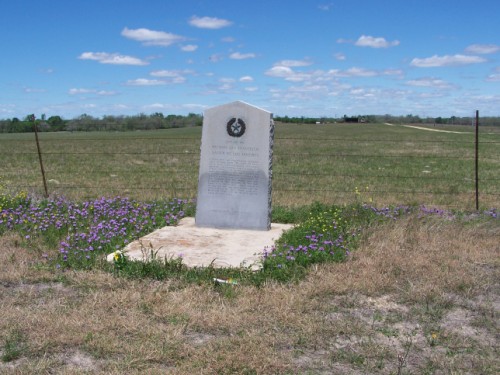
(419, 294)
(326, 163)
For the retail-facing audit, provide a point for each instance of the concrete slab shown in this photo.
(200, 247)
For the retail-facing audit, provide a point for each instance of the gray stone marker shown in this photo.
(234, 185)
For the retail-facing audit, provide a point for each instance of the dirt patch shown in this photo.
(428, 129)
(78, 360)
(198, 338)
(463, 322)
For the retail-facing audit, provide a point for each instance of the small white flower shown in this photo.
(117, 255)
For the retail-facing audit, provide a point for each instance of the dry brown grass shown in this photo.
(418, 258)
(425, 290)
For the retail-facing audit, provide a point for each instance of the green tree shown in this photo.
(56, 123)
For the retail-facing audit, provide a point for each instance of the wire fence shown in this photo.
(400, 166)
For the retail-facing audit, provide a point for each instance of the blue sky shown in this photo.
(291, 57)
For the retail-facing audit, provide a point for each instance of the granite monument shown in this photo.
(234, 185)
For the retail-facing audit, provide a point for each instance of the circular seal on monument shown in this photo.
(236, 127)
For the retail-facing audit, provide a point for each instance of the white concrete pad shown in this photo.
(201, 247)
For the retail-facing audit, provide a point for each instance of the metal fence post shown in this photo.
(477, 160)
(32, 119)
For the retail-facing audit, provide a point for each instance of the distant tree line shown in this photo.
(159, 121)
(106, 123)
(408, 119)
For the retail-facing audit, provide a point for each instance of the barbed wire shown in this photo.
(344, 191)
(198, 140)
(192, 152)
(277, 155)
(277, 174)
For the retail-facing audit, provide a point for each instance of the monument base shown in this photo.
(202, 247)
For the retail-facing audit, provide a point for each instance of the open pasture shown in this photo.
(333, 163)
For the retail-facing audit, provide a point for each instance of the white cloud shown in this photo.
(241, 56)
(78, 91)
(228, 39)
(216, 58)
(370, 41)
(358, 72)
(225, 87)
(194, 106)
(361, 72)
(31, 90)
(75, 91)
(152, 37)
(289, 74)
(447, 60)
(314, 76)
(495, 77)
(283, 69)
(246, 79)
(7, 108)
(174, 107)
(106, 93)
(483, 49)
(392, 72)
(325, 7)
(342, 40)
(251, 89)
(189, 48)
(172, 76)
(300, 77)
(340, 56)
(145, 82)
(157, 106)
(429, 82)
(279, 71)
(170, 73)
(300, 93)
(164, 73)
(293, 63)
(112, 58)
(179, 79)
(209, 22)
(362, 93)
(430, 95)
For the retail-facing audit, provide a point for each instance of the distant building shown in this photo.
(354, 119)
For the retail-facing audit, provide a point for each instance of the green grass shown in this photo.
(325, 163)
(14, 346)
